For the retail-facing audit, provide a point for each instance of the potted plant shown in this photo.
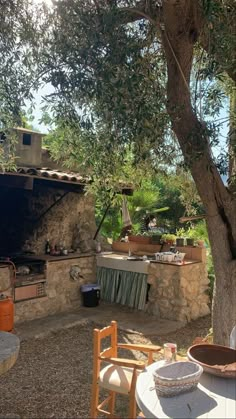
(156, 237)
(190, 241)
(180, 237)
(143, 238)
(180, 241)
(168, 238)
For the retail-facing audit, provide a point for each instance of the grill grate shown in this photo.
(41, 290)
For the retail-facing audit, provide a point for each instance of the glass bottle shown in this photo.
(47, 247)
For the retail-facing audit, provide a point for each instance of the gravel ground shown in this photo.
(52, 376)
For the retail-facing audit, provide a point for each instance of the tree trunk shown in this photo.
(232, 141)
(178, 38)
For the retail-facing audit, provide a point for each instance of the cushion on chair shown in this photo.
(116, 378)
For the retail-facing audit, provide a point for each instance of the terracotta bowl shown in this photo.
(214, 359)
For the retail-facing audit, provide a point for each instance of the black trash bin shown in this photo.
(90, 294)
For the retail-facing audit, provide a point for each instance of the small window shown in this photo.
(27, 139)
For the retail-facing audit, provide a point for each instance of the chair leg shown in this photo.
(132, 401)
(94, 400)
(132, 408)
(112, 403)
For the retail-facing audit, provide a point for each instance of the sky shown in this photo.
(37, 112)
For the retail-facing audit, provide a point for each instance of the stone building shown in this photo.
(40, 202)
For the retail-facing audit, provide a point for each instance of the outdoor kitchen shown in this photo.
(135, 275)
(47, 249)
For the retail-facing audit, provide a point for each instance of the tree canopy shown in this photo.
(19, 25)
(136, 69)
(140, 75)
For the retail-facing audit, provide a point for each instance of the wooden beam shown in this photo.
(192, 218)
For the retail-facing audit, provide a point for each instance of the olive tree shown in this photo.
(128, 68)
(19, 21)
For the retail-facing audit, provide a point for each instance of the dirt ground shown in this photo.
(52, 376)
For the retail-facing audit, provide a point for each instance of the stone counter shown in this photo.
(121, 261)
(178, 293)
(63, 292)
(192, 252)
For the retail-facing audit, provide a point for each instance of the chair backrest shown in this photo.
(98, 351)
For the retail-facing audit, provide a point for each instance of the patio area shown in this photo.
(53, 374)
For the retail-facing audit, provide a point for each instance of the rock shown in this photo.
(204, 310)
(195, 311)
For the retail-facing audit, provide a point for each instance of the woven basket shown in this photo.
(176, 378)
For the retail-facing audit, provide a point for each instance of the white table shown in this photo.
(9, 349)
(215, 397)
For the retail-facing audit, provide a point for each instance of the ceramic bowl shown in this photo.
(215, 359)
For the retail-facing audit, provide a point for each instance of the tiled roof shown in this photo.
(51, 174)
(29, 131)
(57, 175)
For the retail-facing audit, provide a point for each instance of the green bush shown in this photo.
(196, 232)
(168, 237)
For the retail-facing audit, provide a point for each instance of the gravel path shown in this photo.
(52, 376)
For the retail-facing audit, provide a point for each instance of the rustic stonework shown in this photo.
(5, 279)
(175, 292)
(63, 293)
(65, 223)
(24, 227)
(178, 292)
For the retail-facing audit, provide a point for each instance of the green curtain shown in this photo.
(123, 287)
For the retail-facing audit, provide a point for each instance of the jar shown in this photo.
(98, 247)
(170, 352)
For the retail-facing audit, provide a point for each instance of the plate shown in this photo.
(215, 359)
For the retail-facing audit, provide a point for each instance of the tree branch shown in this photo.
(140, 15)
(204, 42)
(140, 11)
(209, 36)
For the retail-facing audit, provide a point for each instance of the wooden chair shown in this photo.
(120, 375)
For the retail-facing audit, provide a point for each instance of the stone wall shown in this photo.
(26, 225)
(5, 279)
(71, 220)
(63, 292)
(178, 292)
